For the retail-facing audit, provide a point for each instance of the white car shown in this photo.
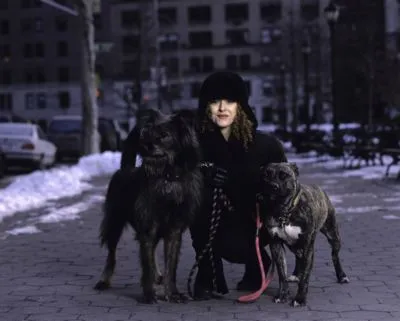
(26, 144)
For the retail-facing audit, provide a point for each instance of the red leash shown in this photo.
(264, 280)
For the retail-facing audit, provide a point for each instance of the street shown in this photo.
(50, 273)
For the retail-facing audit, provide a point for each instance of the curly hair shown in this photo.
(242, 127)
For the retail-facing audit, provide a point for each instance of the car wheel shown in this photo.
(40, 164)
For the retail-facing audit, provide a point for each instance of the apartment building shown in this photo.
(39, 60)
(274, 44)
(261, 39)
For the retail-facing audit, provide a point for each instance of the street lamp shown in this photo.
(306, 50)
(332, 15)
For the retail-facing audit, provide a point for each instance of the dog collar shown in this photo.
(286, 214)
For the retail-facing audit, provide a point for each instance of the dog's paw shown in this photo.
(102, 285)
(281, 298)
(293, 278)
(176, 298)
(148, 298)
(344, 279)
(298, 302)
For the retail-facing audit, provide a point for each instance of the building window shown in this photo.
(167, 16)
(271, 12)
(267, 114)
(266, 36)
(6, 101)
(200, 39)
(6, 77)
(63, 74)
(39, 49)
(28, 4)
(130, 19)
(130, 44)
(309, 10)
(199, 15)
(195, 64)
(231, 62)
(195, 89)
(30, 101)
(4, 27)
(236, 13)
(62, 49)
(169, 41)
(244, 62)
(208, 64)
(64, 100)
(237, 36)
(61, 23)
(5, 52)
(41, 101)
(266, 62)
(26, 25)
(172, 66)
(201, 64)
(267, 89)
(39, 25)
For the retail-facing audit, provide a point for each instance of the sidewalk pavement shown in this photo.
(49, 276)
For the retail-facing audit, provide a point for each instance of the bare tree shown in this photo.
(90, 111)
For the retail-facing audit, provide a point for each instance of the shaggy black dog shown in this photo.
(159, 199)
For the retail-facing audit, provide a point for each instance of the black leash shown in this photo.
(220, 201)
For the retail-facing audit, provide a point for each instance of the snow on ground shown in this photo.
(39, 188)
(35, 189)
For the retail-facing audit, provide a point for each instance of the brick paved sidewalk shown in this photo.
(50, 275)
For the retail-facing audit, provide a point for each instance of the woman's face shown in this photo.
(223, 112)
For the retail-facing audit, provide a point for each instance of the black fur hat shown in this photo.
(225, 85)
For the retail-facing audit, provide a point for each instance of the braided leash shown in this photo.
(220, 201)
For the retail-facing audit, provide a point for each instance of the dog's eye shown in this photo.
(164, 135)
(283, 175)
(268, 174)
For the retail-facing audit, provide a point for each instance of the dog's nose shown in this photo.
(274, 187)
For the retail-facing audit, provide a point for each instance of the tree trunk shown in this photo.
(88, 79)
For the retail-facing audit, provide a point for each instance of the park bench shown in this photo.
(390, 146)
(364, 148)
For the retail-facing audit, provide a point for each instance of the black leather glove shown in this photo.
(215, 175)
(220, 177)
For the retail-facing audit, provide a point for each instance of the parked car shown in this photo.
(26, 145)
(65, 131)
(112, 135)
(11, 118)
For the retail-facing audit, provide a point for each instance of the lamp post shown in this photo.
(282, 73)
(306, 51)
(332, 15)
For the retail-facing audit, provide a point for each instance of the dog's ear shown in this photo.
(187, 115)
(145, 116)
(295, 168)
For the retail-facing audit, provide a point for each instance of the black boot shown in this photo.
(203, 285)
(251, 280)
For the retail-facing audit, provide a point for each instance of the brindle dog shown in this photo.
(293, 215)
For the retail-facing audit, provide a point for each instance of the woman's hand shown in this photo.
(215, 175)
